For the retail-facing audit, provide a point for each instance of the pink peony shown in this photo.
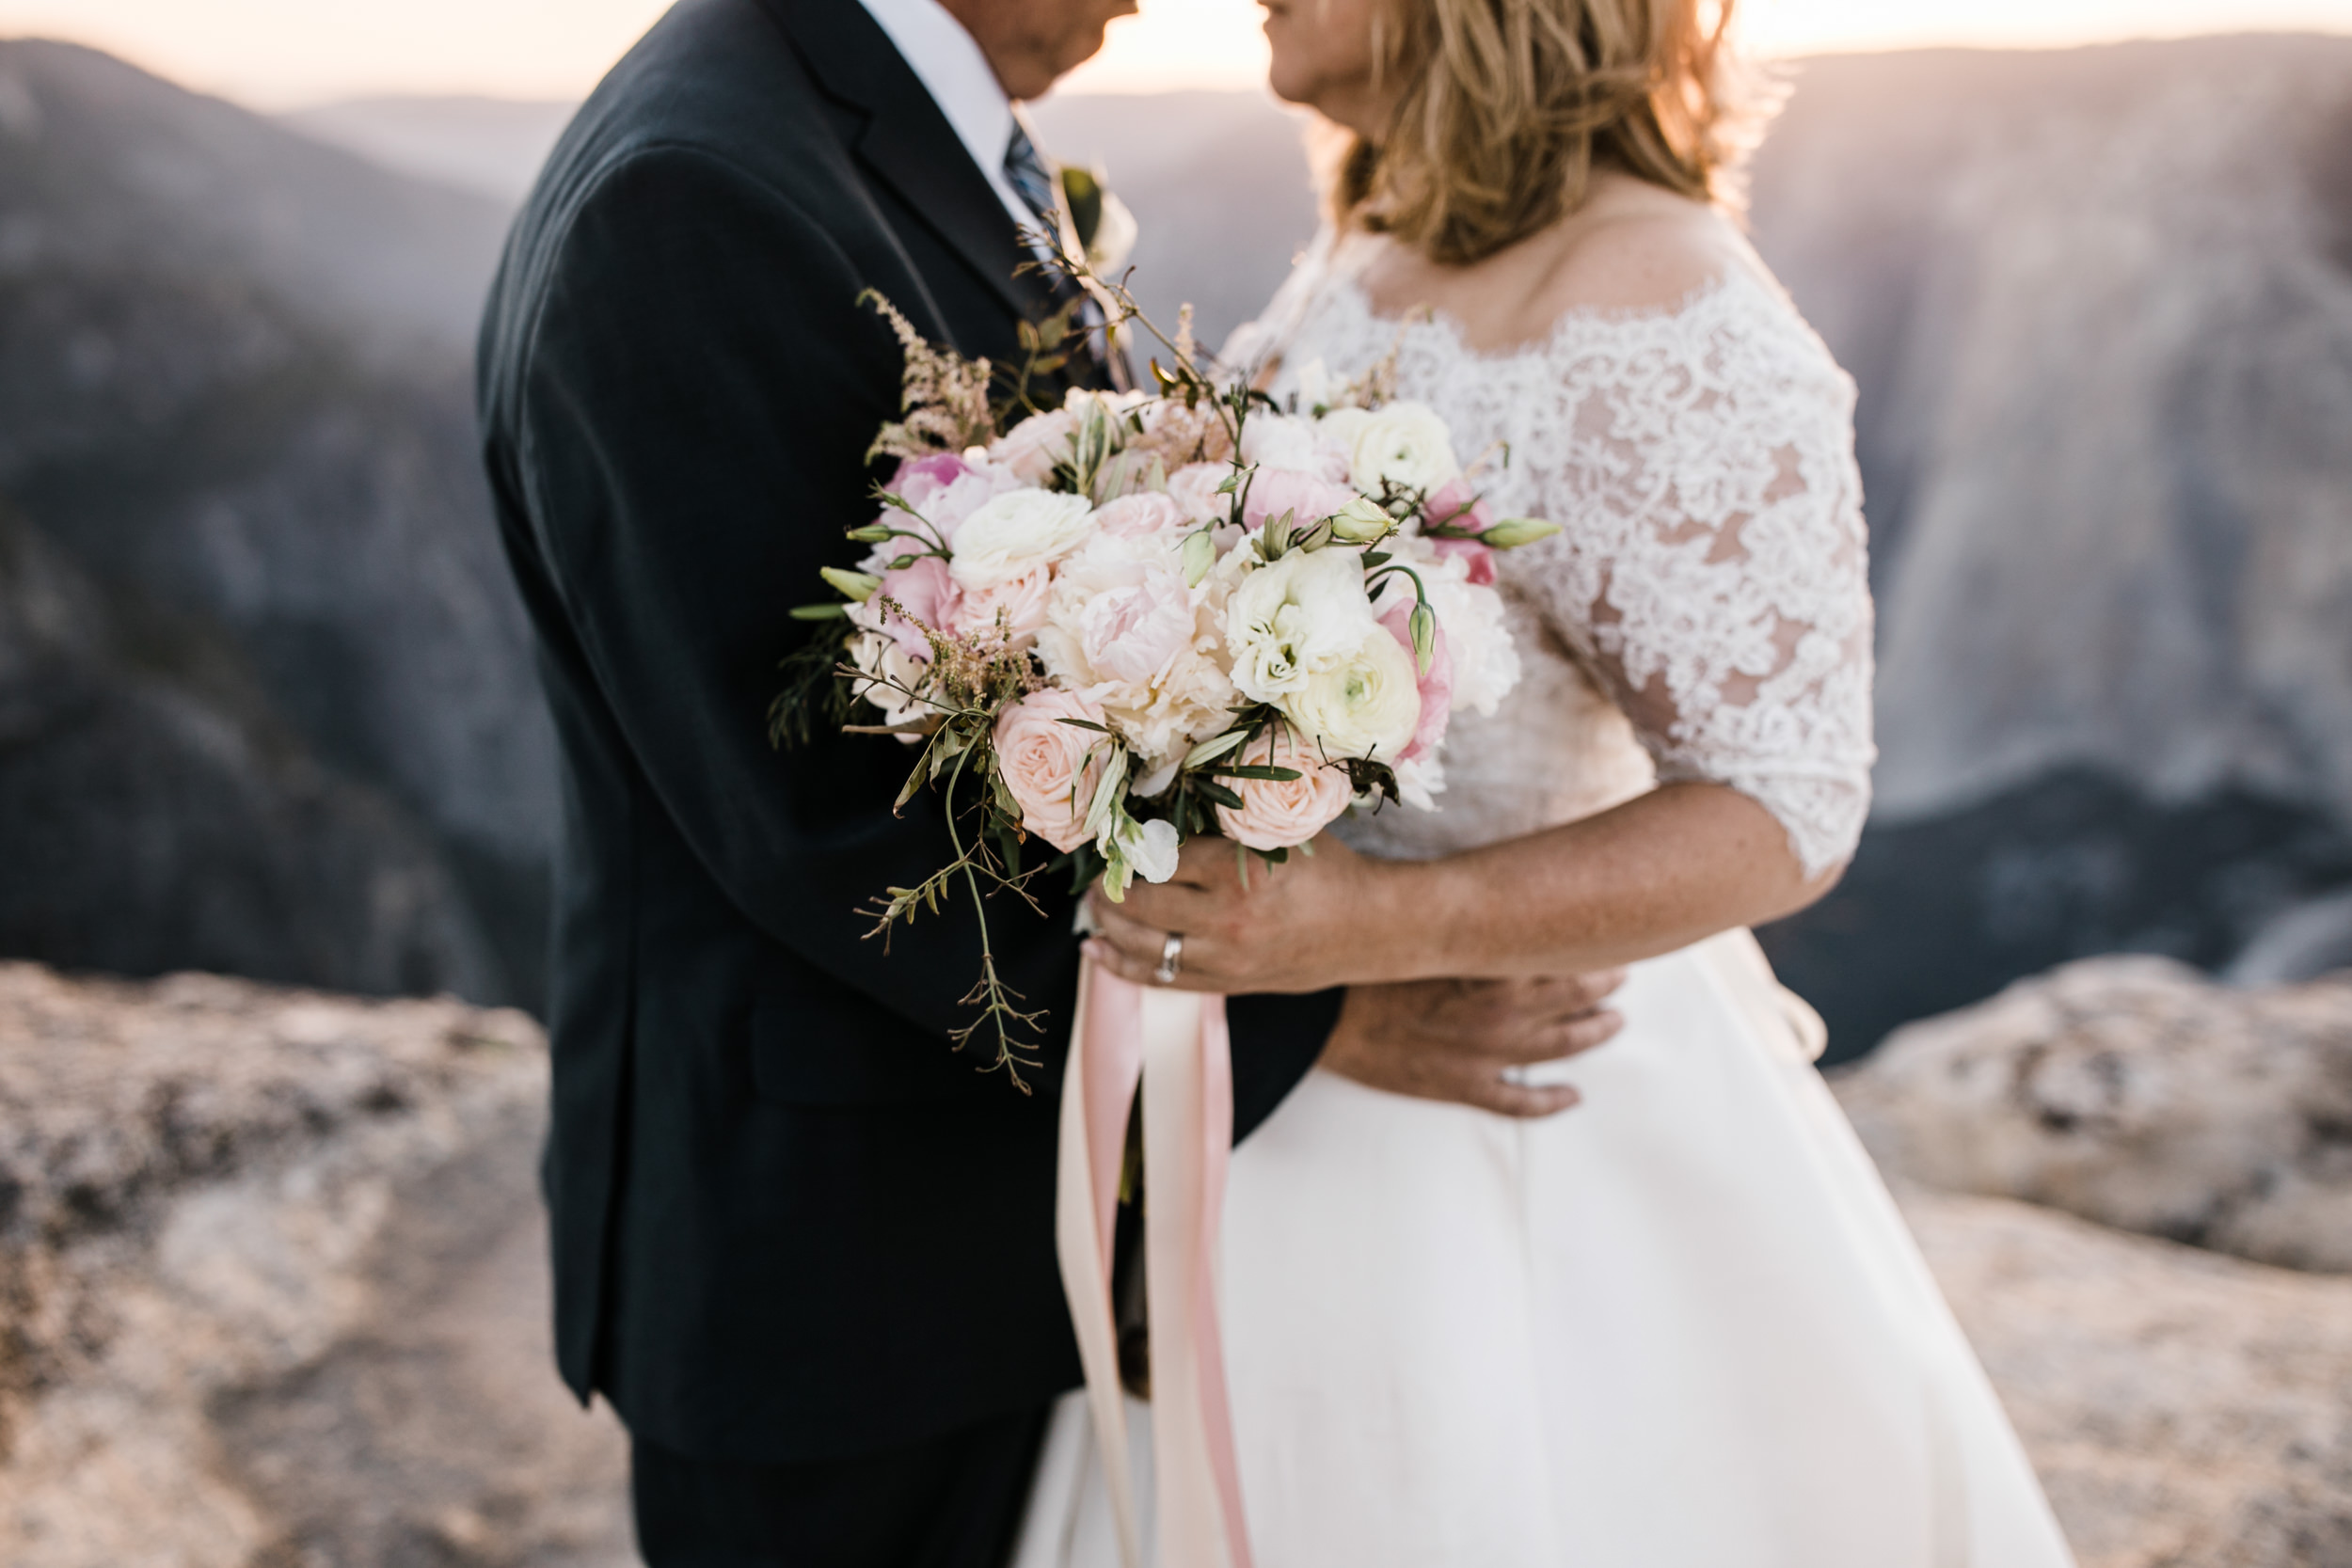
(1193, 488)
(1051, 768)
(1018, 605)
(1277, 815)
(1457, 506)
(944, 491)
(1032, 448)
(925, 593)
(1130, 632)
(1437, 682)
(1140, 516)
(1275, 491)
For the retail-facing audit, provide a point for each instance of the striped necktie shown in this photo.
(1031, 181)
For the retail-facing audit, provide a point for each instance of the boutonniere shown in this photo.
(1096, 224)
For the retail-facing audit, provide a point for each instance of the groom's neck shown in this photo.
(1032, 43)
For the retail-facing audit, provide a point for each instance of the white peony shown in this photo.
(1405, 444)
(1015, 533)
(1367, 705)
(1122, 629)
(1295, 618)
(1280, 441)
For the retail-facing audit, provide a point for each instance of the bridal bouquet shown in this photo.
(1139, 617)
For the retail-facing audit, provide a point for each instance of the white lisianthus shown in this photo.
(1367, 705)
(1477, 628)
(1149, 848)
(1419, 783)
(1015, 533)
(1293, 618)
(1405, 444)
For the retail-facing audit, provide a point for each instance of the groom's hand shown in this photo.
(1456, 1039)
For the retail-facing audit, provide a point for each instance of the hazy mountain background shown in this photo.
(265, 702)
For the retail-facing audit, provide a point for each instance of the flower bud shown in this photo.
(856, 586)
(1510, 533)
(1200, 558)
(1423, 626)
(1363, 522)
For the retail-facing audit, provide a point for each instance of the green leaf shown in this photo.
(820, 613)
(1209, 750)
(1106, 795)
(1272, 775)
(1085, 724)
(1219, 793)
(857, 586)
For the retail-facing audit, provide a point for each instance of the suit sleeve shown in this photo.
(700, 390)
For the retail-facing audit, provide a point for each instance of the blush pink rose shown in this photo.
(1275, 491)
(1457, 506)
(1282, 815)
(1436, 683)
(1051, 768)
(1139, 515)
(927, 592)
(1017, 606)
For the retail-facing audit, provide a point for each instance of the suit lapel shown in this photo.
(907, 142)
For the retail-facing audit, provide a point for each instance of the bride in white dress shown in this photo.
(1682, 1325)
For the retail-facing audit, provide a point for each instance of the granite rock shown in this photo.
(2133, 1092)
(274, 1288)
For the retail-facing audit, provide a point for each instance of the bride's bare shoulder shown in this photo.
(1635, 247)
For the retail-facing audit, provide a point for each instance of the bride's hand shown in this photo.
(1314, 922)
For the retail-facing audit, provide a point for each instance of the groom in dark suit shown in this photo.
(804, 1246)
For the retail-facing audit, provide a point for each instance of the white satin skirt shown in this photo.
(1682, 1326)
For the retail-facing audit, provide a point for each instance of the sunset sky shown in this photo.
(276, 54)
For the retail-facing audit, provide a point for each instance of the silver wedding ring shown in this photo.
(1171, 959)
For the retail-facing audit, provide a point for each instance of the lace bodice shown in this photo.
(1705, 614)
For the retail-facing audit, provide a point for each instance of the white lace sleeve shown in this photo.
(1714, 569)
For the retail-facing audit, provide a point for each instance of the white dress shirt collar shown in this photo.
(961, 81)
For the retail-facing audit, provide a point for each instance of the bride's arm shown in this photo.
(1716, 577)
(1661, 872)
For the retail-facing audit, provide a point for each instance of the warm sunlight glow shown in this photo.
(278, 53)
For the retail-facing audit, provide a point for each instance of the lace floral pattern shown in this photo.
(1712, 581)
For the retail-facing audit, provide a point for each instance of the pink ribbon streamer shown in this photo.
(1176, 1045)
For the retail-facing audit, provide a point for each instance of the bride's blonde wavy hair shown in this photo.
(1509, 104)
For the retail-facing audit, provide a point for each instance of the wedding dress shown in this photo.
(1682, 1326)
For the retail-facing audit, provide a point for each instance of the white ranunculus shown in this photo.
(1015, 533)
(1296, 617)
(1406, 444)
(1367, 705)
